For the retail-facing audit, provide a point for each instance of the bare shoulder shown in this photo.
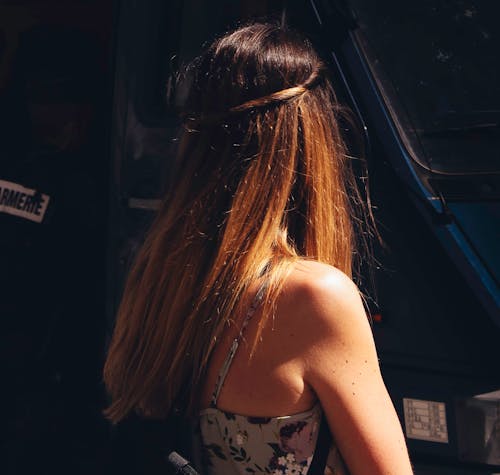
(323, 314)
(323, 296)
(339, 364)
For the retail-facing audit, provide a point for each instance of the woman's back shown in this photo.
(271, 383)
(260, 414)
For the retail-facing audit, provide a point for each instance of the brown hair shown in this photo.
(262, 180)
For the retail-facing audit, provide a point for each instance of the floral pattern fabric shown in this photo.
(285, 445)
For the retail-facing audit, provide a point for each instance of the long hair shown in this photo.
(262, 179)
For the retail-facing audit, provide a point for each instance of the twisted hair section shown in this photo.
(272, 99)
(284, 94)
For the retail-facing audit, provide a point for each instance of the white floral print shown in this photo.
(236, 444)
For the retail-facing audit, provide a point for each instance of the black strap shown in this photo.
(180, 444)
(323, 445)
(180, 465)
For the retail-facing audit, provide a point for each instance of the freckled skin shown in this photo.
(318, 346)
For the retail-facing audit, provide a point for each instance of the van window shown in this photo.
(437, 66)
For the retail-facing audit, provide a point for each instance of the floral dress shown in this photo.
(238, 444)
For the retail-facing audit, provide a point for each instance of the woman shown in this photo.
(240, 308)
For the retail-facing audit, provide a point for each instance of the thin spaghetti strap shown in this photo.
(234, 346)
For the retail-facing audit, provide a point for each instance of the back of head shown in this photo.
(249, 64)
(261, 125)
(261, 181)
